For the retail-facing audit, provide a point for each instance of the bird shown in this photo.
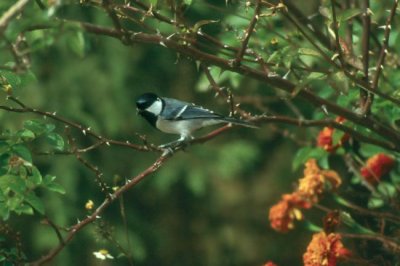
(179, 117)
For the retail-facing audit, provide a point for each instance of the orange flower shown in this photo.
(311, 186)
(377, 166)
(325, 137)
(283, 214)
(324, 250)
(313, 183)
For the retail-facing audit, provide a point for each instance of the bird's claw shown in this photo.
(170, 147)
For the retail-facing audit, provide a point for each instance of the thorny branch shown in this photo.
(365, 97)
(384, 49)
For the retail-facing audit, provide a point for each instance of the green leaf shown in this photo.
(76, 42)
(374, 203)
(311, 226)
(4, 147)
(306, 153)
(4, 211)
(356, 227)
(368, 150)
(187, 2)
(35, 202)
(11, 78)
(387, 190)
(36, 177)
(26, 135)
(55, 140)
(309, 52)
(56, 188)
(38, 127)
(23, 152)
(347, 14)
(24, 209)
(48, 179)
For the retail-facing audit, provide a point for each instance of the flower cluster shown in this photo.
(324, 250)
(325, 137)
(376, 167)
(311, 186)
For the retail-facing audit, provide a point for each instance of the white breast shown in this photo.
(184, 127)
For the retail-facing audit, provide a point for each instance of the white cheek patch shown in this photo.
(155, 108)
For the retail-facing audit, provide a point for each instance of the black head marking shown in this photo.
(145, 100)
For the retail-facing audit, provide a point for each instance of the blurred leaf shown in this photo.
(387, 190)
(76, 41)
(374, 203)
(56, 188)
(23, 152)
(36, 177)
(55, 140)
(35, 202)
(196, 182)
(368, 150)
(26, 135)
(347, 14)
(306, 153)
(308, 51)
(13, 79)
(38, 127)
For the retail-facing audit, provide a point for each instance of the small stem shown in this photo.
(248, 33)
(384, 51)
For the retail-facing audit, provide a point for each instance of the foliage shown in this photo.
(320, 80)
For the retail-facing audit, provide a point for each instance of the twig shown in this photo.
(384, 51)
(10, 13)
(248, 33)
(111, 13)
(387, 242)
(56, 230)
(81, 128)
(366, 98)
(337, 38)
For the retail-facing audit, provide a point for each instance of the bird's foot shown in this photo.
(170, 147)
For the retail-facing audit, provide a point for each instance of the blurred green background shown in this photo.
(206, 206)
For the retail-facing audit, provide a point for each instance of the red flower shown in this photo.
(324, 250)
(325, 137)
(376, 167)
(270, 263)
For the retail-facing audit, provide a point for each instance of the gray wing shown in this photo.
(179, 110)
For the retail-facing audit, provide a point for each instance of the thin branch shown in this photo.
(13, 11)
(111, 13)
(387, 242)
(248, 33)
(384, 51)
(56, 230)
(366, 98)
(81, 128)
(336, 31)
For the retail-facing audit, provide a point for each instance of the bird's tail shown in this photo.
(239, 122)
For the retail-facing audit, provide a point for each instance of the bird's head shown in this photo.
(149, 103)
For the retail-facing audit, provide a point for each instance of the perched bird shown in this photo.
(178, 117)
